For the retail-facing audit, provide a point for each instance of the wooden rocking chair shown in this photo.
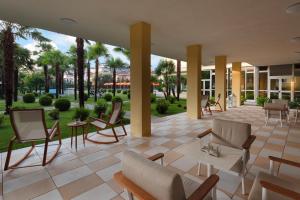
(29, 127)
(101, 124)
(217, 103)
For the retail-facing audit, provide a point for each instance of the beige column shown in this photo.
(236, 82)
(140, 72)
(194, 61)
(220, 85)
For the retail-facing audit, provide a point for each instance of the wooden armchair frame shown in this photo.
(246, 147)
(276, 188)
(108, 124)
(49, 136)
(205, 105)
(141, 194)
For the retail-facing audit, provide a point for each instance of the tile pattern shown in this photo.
(87, 173)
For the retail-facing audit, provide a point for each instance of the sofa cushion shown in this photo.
(155, 179)
(234, 133)
(256, 191)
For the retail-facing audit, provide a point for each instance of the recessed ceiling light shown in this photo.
(68, 21)
(295, 39)
(294, 8)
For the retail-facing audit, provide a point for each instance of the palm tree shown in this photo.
(22, 59)
(165, 68)
(178, 79)
(73, 60)
(43, 60)
(80, 67)
(11, 31)
(57, 59)
(89, 58)
(97, 50)
(124, 51)
(113, 64)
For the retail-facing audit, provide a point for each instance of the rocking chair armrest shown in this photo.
(249, 142)
(156, 157)
(205, 133)
(54, 129)
(205, 188)
(280, 190)
(285, 161)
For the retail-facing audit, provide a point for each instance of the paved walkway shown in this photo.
(87, 174)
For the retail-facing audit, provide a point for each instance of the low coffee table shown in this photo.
(76, 125)
(225, 162)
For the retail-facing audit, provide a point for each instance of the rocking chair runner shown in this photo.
(100, 125)
(29, 126)
(217, 103)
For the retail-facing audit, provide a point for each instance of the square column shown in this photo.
(220, 77)
(194, 61)
(140, 73)
(236, 82)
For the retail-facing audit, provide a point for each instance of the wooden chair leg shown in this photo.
(45, 152)
(124, 129)
(113, 129)
(9, 150)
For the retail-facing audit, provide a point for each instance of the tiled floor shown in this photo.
(87, 174)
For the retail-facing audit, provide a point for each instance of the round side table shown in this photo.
(75, 126)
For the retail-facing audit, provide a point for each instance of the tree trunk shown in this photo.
(16, 83)
(62, 82)
(46, 78)
(178, 81)
(75, 82)
(114, 81)
(80, 65)
(96, 79)
(57, 80)
(8, 48)
(89, 78)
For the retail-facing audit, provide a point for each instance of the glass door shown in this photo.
(280, 88)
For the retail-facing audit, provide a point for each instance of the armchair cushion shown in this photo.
(235, 133)
(256, 191)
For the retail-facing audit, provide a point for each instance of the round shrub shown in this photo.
(179, 105)
(171, 99)
(153, 98)
(117, 99)
(119, 91)
(81, 113)
(54, 114)
(125, 92)
(62, 104)
(100, 107)
(108, 97)
(29, 98)
(128, 95)
(86, 97)
(50, 95)
(162, 106)
(45, 100)
(35, 94)
(261, 100)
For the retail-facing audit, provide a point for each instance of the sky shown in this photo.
(63, 42)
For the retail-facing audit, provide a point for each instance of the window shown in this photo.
(263, 81)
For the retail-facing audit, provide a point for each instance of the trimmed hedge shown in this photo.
(162, 106)
(81, 113)
(153, 98)
(45, 100)
(171, 99)
(108, 97)
(29, 98)
(62, 104)
(117, 99)
(100, 107)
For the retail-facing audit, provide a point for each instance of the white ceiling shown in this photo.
(253, 31)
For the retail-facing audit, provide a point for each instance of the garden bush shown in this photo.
(128, 95)
(100, 107)
(54, 114)
(1, 119)
(162, 106)
(179, 105)
(62, 104)
(171, 99)
(108, 97)
(45, 100)
(119, 91)
(81, 113)
(35, 94)
(29, 98)
(125, 92)
(50, 95)
(153, 98)
(261, 100)
(117, 99)
(86, 97)
(294, 104)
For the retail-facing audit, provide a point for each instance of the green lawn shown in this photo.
(67, 116)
